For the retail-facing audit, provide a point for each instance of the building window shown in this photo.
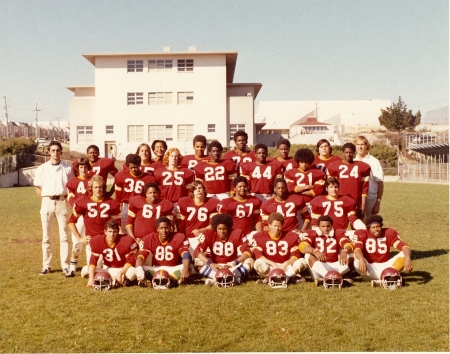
(160, 65)
(185, 132)
(235, 127)
(185, 97)
(135, 133)
(110, 129)
(135, 98)
(186, 65)
(211, 128)
(85, 134)
(135, 66)
(160, 132)
(159, 98)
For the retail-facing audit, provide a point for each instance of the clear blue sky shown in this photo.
(298, 50)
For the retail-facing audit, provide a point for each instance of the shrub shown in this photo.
(17, 146)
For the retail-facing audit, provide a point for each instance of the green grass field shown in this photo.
(54, 314)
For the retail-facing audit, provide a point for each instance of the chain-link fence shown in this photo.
(424, 172)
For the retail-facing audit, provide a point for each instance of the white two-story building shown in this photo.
(172, 96)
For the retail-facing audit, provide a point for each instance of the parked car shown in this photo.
(42, 141)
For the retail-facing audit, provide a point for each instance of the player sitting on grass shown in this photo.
(166, 248)
(277, 249)
(372, 248)
(224, 245)
(326, 249)
(118, 252)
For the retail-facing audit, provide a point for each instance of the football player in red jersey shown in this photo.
(96, 209)
(224, 245)
(172, 179)
(130, 183)
(326, 249)
(118, 253)
(277, 249)
(287, 205)
(77, 187)
(353, 176)
(244, 208)
(100, 166)
(147, 164)
(190, 161)
(324, 156)
(372, 248)
(283, 148)
(240, 154)
(341, 209)
(143, 211)
(159, 148)
(216, 174)
(167, 249)
(303, 180)
(261, 173)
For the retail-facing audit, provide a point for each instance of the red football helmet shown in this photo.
(332, 279)
(102, 281)
(278, 278)
(224, 278)
(161, 279)
(390, 278)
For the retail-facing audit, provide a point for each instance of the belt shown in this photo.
(57, 197)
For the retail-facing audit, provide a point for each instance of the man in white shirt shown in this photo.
(50, 181)
(376, 184)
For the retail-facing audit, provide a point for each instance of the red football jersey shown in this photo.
(142, 215)
(376, 249)
(245, 214)
(193, 216)
(278, 250)
(322, 164)
(190, 161)
(329, 246)
(222, 252)
(128, 185)
(123, 251)
(173, 183)
(285, 165)
(288, 208)
(149, 168)
(95, 214)
(297, 177)
(102, 167)
(164, 254)
(76, 187)
(260, 177)
(341, 210)
(353, 178)
(217, 177)
(249, 156)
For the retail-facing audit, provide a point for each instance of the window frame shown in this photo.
(135, 66)
(136, 137)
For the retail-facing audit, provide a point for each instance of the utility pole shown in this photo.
(37, 129)
(7, 124)
(59, 128)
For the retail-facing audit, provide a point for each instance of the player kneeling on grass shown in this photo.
(224, 245)
(119, 256)
(326, 250)
(277, 249)
(372, 251)
(170, 253)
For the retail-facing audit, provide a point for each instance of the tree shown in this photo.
(397, 118)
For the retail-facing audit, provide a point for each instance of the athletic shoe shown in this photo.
(45, 271)
(68, 273)
(209, 282)
(296, 280)
(348, 281)
(318, 282)
(262, 281)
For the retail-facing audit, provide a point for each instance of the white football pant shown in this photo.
(374, 269)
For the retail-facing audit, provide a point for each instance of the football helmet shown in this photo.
(390, 278)
(103, 281)
(277, 278)
(224, 278)
(332, 279)
(161, 279)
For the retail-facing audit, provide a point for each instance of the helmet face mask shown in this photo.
(102, 281)
(332, 279)
(224, 278)
(161, 280)
(390, 278)
(277, 279)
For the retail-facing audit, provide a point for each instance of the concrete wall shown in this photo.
(22, 177)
